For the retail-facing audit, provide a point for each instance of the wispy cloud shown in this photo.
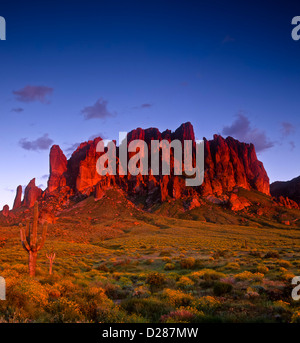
(292, 145)
(287, 128)
(97, 111)
(242, 130)
(92, 137)
(33, 93)
(10, 190)
(143, 106)
(70, 149)
(17, 110)
(41, 143)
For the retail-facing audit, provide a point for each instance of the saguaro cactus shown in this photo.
(30, 241)
(51, 258)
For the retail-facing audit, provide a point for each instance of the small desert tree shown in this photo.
(30, 241)
(51, 258)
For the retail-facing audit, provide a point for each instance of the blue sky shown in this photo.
(73, 70)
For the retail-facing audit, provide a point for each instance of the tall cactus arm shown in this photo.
(42, 242)
(33, 238)
(27, 231)
(23, 238)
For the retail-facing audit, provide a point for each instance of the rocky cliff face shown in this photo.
(18, 198)
(290, 189)
(58, 168)
(228, 164)
(5, 211)
(31, 194)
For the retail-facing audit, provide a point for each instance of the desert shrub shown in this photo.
(103, 267)
(221, 288)
(169, 266)
(187, 263)
(150, 308)
(11, 276)
(287, 276)
(284, 264)
(165, 253)
(166, 259)
(198, 263)
(94, 303)
(207, 304)
(20, 268)
(183, 315)
(251, 293)
(53, 291)
(122, 263)
(258, 277)
(233, 266)
(220, 253)
(114, 291)
(26, 291)
(50, 279)
(177, 298)
(110, 314)
(178, 316)
(141, 292)
(281, 306)
(262, 269)
(207, 275)
(185, 283)
(255, 253)
(155, 280)
(246, 275)
(296, 317)
(125, 282)
(272, 254)
(66, 287)
(64, 310)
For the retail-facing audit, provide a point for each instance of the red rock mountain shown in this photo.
(289, 189)
(228, 164)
